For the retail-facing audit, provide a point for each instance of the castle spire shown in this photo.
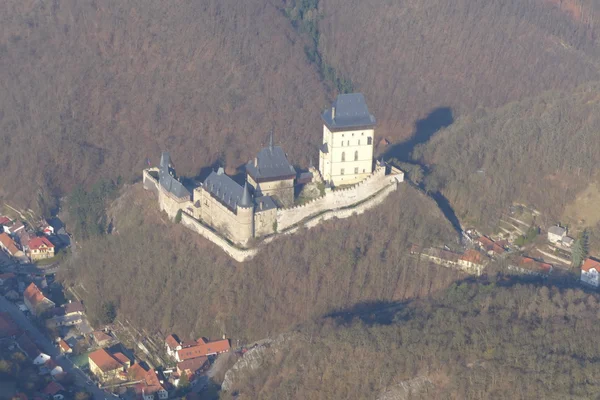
(246, 200)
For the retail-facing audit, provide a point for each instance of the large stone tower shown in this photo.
(245, 215)
(346, 155)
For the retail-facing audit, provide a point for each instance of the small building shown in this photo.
(40, 248)
(10, 247)
(172, 344)
(148, 386)
(55, 391)
(203, 350)
(33, 352)
(556, 234)
(35, 301)
(472, 262)
(101, 338)
(13, 228)
(346, 155)
(492, 249)
(74, 308)
(105, 366)
(193, 366)
(64, 346)
(64, 320)
(590, 271)
(529, 266)
(271, 174)
(568, 241)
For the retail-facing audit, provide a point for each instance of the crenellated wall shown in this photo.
(336, 199)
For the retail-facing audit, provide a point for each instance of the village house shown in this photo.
(556, 234)
(101, 338)
(74, 308)
(492, 249)
(35, 301)
(64, 320)
(472, 262)
(193, 366)
(172, 344)
(568, 241)
(106, 366)
(40, 248)
(11, 248)
(148, 386)
(590, 272)
(64, 346)
(529, 266)
(33, 352)
(13, 228)
(202, 350)
(55, 391)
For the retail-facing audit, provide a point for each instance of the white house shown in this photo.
(590, 272)
(556, 234)
(346, 155)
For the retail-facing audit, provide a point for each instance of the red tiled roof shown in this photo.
(34, 295)
(137, 372)
(9, 244)
(5, 220)
(216, 347)
(188, 343)
(150, 385)
(589, 264)
(172, 342)
(64, 345)
(201, 341)
(40, 241)
(192, 365)
(472, 256)
(530, 263)
(53, 388)
(8, 327)
(122, 358)
(104, 361)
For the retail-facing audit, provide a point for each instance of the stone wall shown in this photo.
(336, 199)
(149, 181)
(240, 255)
(237, 226)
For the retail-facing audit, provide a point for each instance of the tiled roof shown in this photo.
(167, 179)
(224, 189)
(34, 295)
(531, 264)
(193, 364)
(172, 342)
(53, 388)
(136, 372)
(104, 361)
(73, 307)
(122, 358)
(472, 256)
(39, 242)
(218, 346)
(64, 345)
(589, 264)
(270, 163)
(100, 336)
(5, 220)
(9, 244)
(351, 111)
(557, 230)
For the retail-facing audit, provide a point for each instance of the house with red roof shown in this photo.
(193, 366)
(106, 366)
(529, 266)
(492, 249)
(35, 301)
(203, 350)
(55, 390)
(64, 346)
(40, 248)
(472, 261)
(149, 386)
(10, 247)
(590, 272)
(172, 344)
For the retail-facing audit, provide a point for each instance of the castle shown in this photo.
(347, 178)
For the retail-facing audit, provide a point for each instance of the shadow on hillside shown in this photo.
(388, 312)
(425, 128)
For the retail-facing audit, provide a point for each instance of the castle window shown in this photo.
(369, 140)
(342, 171)
(342, 135)
(362, 134)
(359, 142)
(343, 156)
(352, 134)
(356, 155)
(348, 143)
(356, 170)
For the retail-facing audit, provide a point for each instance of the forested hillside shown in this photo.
(473, 341)
(90, 89)
(541, 151)
(163, 277)
(411, 57)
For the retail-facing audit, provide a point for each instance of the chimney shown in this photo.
(333, 113)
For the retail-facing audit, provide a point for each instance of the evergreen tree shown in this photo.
(580, 250)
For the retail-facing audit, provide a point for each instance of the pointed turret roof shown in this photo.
(246, 200)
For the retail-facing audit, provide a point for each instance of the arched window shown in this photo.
(356, 155)
(369, 140)
(343, 156)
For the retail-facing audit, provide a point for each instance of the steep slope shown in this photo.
(164, 277)
(471, 342)
(539, 151)
(411, 57)
(92, 89)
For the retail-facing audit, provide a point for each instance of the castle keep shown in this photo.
(225, 212)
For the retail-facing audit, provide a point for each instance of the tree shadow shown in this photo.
(383, 312)
(425, 128)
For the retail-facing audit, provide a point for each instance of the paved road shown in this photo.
(47, 347)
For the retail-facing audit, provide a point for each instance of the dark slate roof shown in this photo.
(271, 163)
(351, 111)
(264, 203)
(324, 148)
(225, 189)
(246, 200)
(167, 179)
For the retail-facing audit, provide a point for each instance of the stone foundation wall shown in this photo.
(240, 255)
(335, 199)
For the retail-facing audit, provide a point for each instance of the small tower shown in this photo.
(245, 214)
